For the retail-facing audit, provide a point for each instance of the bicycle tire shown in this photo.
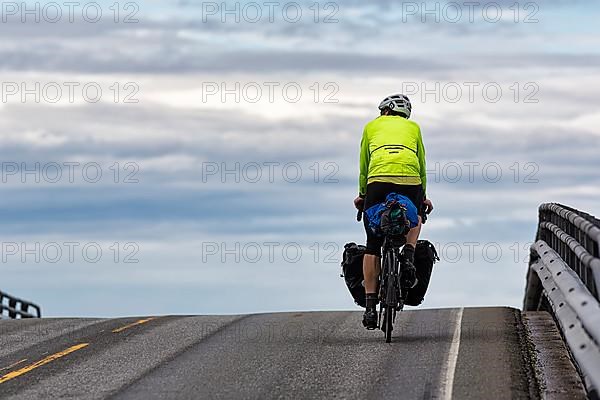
(389, 316)
(390, 303)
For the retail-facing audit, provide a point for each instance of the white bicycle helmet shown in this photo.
(398, 103)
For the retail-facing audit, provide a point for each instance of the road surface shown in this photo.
(471, 353)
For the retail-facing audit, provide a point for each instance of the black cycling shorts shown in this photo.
(376, 193)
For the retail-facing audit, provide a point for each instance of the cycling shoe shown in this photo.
(370, 319)
(409, 276)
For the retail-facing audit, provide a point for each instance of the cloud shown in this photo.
(171, 136)
(180, 42)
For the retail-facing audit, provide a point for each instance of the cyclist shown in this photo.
(392, 159)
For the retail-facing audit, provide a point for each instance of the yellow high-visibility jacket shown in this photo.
(391, 150)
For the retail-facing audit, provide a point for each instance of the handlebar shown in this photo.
(359, 214)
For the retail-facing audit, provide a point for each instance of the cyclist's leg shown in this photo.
(409, 271)
(372, 263)
(376, 193)
(413, 234)
(371, 269)
(415, 194)
(372, 259)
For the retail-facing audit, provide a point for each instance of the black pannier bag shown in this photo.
(425, 257)
(352, 272)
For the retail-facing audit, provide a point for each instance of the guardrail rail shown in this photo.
(564, 279)
(14, 307)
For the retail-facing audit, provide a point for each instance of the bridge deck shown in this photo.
(475, 353)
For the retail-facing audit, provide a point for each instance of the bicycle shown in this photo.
(391, 294)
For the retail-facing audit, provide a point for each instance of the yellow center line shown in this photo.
(140, 322)
(13, 365)
(49, 359)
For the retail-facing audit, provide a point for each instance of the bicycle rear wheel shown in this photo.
(389, 320)
(390, 306)
(389, 291)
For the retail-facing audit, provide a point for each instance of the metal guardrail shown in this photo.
(13, 307)
(564, 279)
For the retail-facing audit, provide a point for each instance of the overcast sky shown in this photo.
(166, 157)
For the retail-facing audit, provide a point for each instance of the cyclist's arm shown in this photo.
(364, 165)
(422, 166)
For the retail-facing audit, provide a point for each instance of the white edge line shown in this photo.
(448, 376)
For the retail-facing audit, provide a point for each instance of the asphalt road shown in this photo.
(475, 353)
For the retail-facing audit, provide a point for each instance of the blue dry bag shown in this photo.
(396, 216)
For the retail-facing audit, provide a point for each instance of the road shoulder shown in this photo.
(556, 375)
